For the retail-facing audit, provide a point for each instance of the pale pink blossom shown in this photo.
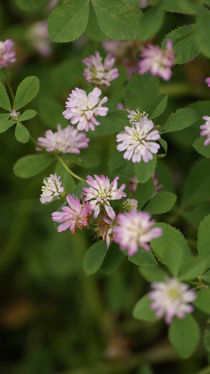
(82, 109)
(157, 61)
(99, 72)
(171, 299)
(130, 205)
(67, 140)
(158, 186)
(101, 191)
(134, 230)
(52, 189)
(38, 37)
(143, 3)
(205, 130)
(207, 80)
(72, 216)
(139, 141)
(133, 184)
(7, 53)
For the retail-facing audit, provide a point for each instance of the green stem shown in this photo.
(67, 169)
(9, 88)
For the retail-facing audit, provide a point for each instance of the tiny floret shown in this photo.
(134, 116)
(104, 229)
(130, 204)
(99, 72)
(157, 61)
(72, 216)
(52, 189)
(101, 191)
(38, 37)
(139, 141)
(7, 53)
(207, 80)
(171, 299)
(67, 140)
(134, 230)
(143, 4)
(205, 130)
(82, 109)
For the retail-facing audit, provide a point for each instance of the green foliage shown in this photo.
(162, 202)
(5, 124)
(28, 114)
(94, 257)
(184, 334)
(26, 92)
(143, 310)
(118, 20)
(199, 146)
(67, 180)
(151, 22)
(202, 300)
(4, 98)
(31, 165)
(179, 120)
(144, 170)
(148, 266)
(31, 5)
(121, 167)
(184, 43)
(68, 21)
(170, 248)
(144, 192)
(204, 238)
(21, 133)
(202, 30)
(113, 260)
(112, 124)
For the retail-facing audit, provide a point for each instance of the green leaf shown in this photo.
(143, 311)
(203, 30)
(21, 133)
(67, 180)
(67, 22)
(179, 120)
(5, 124)
(113, 260)
(202, 300)
(94, 257)
(184, 43)
(151, 22)
(184, 335)
(199, 146)
(196, 187)
(148, 266)
(144, 170)
(86, 160)
(162, 202)
(204, 238)
(161, 106)
(28, 114)
(28, 166)
(180, 6)
(144, 193)
(171, 248)
(119, 166)
(118, 20)
(142, 93)
(4, 98)
(31, 5)
(112, 124)
(26, 91)
(206, 341)
(93, 30)
(192, 268)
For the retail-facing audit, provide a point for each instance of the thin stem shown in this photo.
(9, 87)
(68, 170)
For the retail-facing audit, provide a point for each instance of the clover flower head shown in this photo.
(104, 229)
(130, 205)
(205, 130)
(67, 140)
(101, 191)
(158, 186)
(139, 141)
(171, 299)
(52, 189)
(207, 80)
(72, 216)
(82, 109)
(134, 116)
(157, 61)
(135, 229)
(38, 37)
(99, 72)
(7, 53)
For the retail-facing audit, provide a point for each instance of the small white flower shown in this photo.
(139, 141)
(134, 116)
(81, 109)
(171, 298)
(51, 189)
(205, 130)
(130, 204)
